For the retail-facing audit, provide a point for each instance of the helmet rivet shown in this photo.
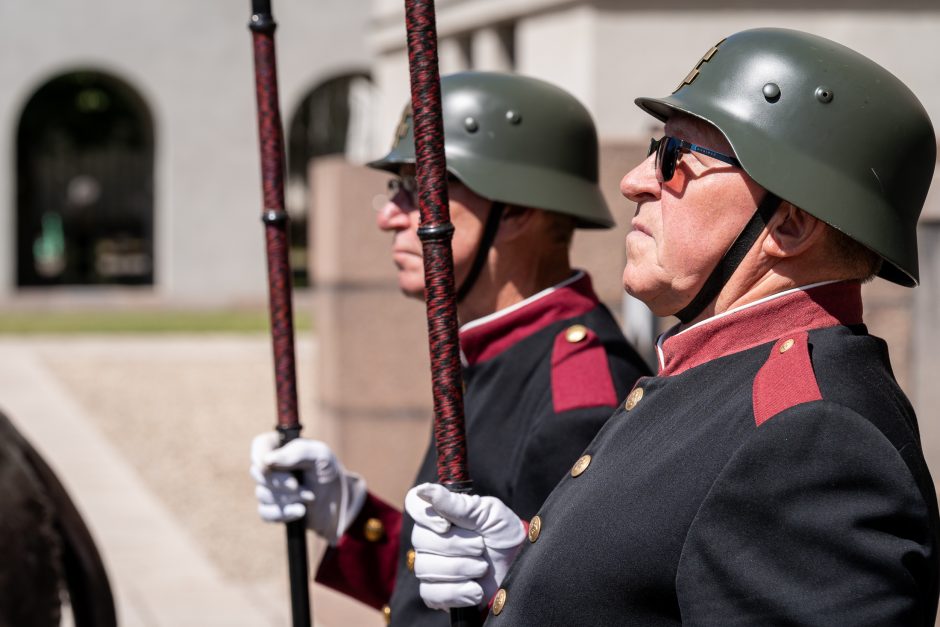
(471, 125)
(823, 94)
(513, 117)
(771, 92)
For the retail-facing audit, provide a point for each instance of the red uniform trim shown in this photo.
(824, 306)
(580, 374)
(363, 569)
(492, 337)
(786, 379)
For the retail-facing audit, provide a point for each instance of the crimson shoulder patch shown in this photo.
(580, 373)
(786, 379)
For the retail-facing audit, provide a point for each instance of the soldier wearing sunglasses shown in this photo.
(772, 472)
(545, 362)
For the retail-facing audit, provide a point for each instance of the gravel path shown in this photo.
(177, 413)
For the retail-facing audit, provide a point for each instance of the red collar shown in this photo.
(491, 335)
(797, 310)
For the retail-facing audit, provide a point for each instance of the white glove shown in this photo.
(330, 496)
(463, 545)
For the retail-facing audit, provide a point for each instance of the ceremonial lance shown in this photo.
(436, 232)
(277, 244)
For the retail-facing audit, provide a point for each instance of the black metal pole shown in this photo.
(436, 232)
(277, 244)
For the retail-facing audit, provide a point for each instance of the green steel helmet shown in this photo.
(822, 127)
(516, 140)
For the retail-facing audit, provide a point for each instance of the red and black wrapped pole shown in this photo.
(436, 233)
(277, 245)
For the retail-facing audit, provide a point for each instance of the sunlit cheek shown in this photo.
(676, 184)
(464, 252)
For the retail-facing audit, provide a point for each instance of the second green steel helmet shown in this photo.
(517, 140)
(822, 127)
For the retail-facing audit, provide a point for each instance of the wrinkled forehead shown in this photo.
(697, 131)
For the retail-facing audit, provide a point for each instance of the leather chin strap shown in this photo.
(483, 251)
(732, 259)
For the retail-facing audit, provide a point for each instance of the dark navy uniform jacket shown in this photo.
(541, 379)
(771, 474)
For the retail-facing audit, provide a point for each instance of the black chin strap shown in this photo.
(486, 242)
(732, 259)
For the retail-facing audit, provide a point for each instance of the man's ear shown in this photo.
(791, 232)
(515, 221)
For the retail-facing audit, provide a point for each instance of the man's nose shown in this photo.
(394, 217)
(642, 183)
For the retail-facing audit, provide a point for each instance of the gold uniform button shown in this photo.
(786, 346)
(410, 559)
(500, 601)
(374, 530)
(576, 333)
(581, 465)
(535, 528)
(387, 613)
(633, 399)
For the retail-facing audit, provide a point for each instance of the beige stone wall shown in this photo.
(373, 381)
(373, 391)
(923, 360)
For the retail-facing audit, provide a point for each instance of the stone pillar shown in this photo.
(925, 357)
(373, 382)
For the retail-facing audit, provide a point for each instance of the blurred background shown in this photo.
(133, 346)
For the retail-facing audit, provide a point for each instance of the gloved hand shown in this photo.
(463, 545)
(329, 495)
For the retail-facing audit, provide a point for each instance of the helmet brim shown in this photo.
(773, 171)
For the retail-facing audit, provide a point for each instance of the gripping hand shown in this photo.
(327, 493)
(463, 545)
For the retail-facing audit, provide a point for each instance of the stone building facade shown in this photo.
(130, 162)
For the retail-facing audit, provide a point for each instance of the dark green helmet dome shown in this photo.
(822, 127)
(516, 140)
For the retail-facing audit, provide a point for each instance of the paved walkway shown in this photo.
(149, 435)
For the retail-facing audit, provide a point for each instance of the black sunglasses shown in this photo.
(667, 151)
(409, 184)
(406, 183)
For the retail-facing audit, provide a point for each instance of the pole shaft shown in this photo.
(436, 232)
(277, 246)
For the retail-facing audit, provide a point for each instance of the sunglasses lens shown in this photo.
(406, 184)
(667, 156)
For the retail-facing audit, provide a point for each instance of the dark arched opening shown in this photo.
(85, 152)
(326, 121)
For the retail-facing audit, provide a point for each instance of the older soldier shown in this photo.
(545, 363)
(772, 472)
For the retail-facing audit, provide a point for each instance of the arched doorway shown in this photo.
(85, 184)
(331, 119)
